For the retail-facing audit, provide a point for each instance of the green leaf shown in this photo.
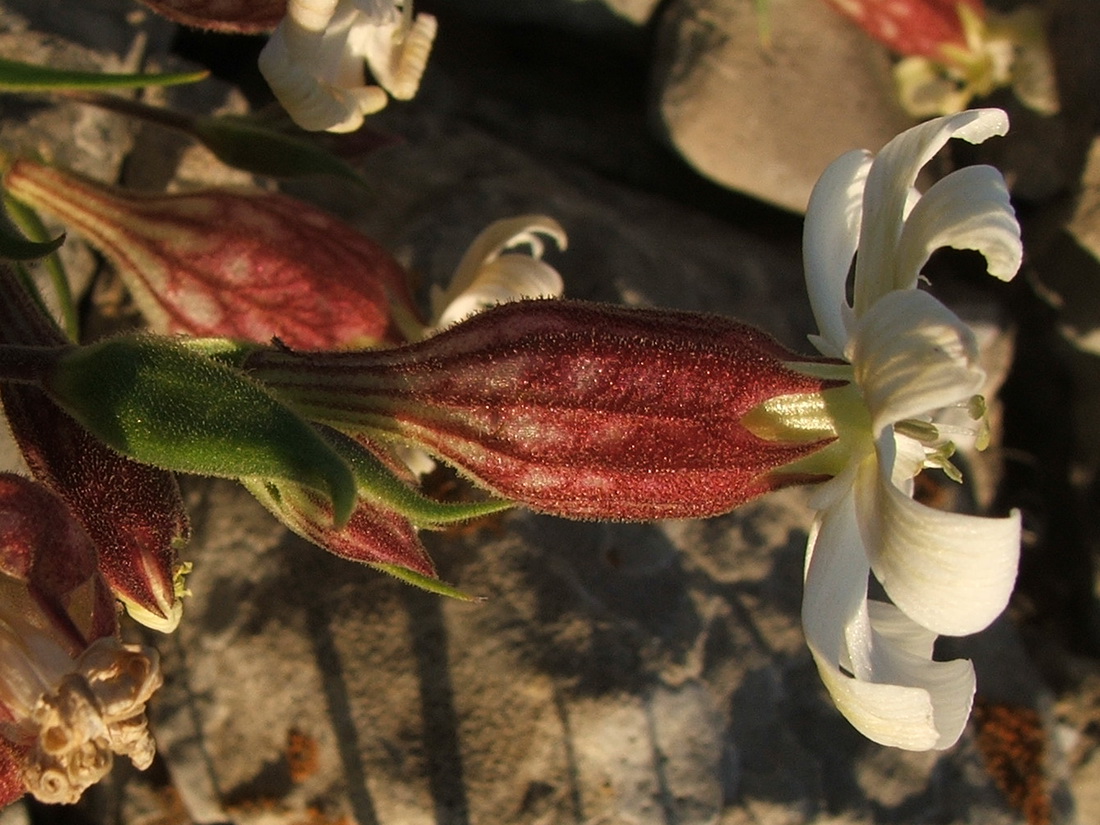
(246, 144)
(25, 77)
(162, 404)
(425, 583)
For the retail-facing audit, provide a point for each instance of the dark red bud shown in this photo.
(132, 512)
(570, 408)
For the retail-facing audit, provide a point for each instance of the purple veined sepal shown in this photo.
(223, 262)
(569, 408)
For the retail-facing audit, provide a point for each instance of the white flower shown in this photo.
(490, 274)
(1001, 50)
(314, 61)
(913, 397)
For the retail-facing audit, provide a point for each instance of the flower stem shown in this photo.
(28, 365)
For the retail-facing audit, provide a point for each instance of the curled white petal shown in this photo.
(876, 665)
(507, 278)
(950, 573)
(315, 59)
(397, 54)
(887, 195)
(829, 243)
(968, 209)
(485, 276)
(912, 356)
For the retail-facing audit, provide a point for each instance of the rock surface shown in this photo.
(766, 118)
(614, 673)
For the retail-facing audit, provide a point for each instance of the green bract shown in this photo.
(377, 483)
(162, 404)
(14, 246)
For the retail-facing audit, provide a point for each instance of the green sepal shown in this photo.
(425, 583)
(377, 482)
(246, 144)
(16, 76)
(162, 404)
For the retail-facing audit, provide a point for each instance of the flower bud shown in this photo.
(912, 27)
(569, 408)
(225, 263)
(132, 512)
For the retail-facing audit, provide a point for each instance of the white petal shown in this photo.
(902, 655)
(874, 661)
(968, 209)
(826, 494)
(893, 715)
(912, 356)
(950, 573)
(310, 101)
(835, 587)
(829, 242)
(887, 192)
(508, 278)
(494, 239)
(311, 15)
(397, 51)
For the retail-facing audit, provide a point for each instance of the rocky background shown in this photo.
(614, 673)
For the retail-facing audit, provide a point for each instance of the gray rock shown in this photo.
(767, 120)
(614, 673)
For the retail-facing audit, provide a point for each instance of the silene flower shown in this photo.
(913, 397)
(954, 50)
(71, 695)
(590, 411)
(316, 57)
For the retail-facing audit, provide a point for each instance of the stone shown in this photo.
(767, 118)
(648, 673)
